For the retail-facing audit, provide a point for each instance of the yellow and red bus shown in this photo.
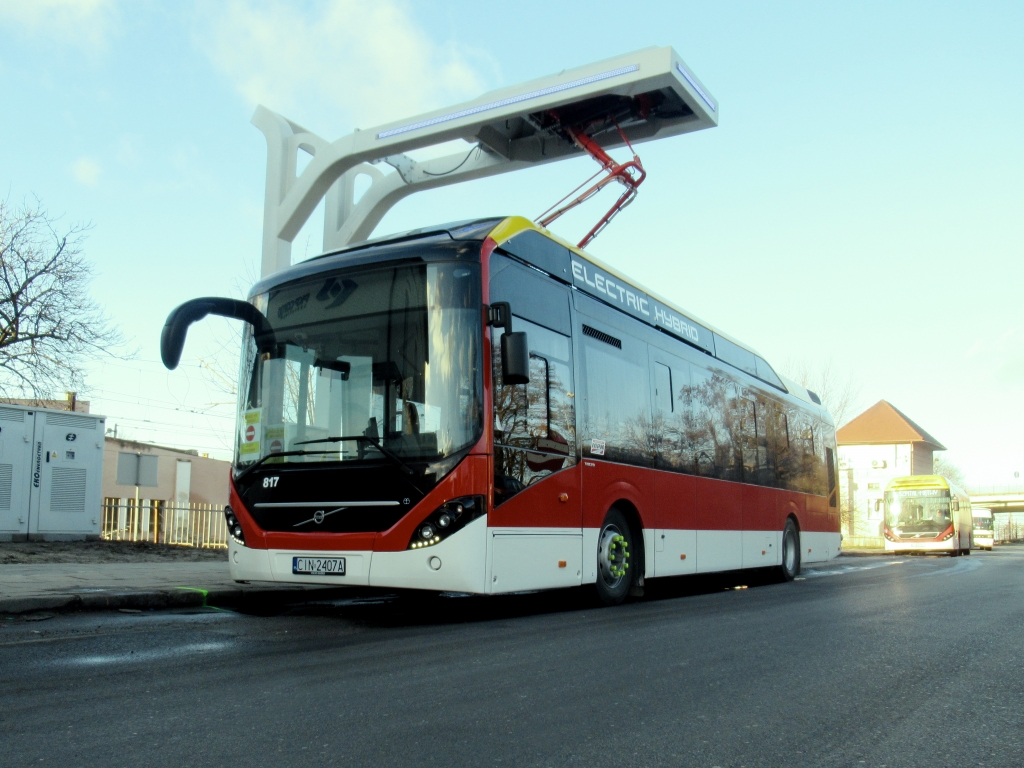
(485, 408)
(927, 513)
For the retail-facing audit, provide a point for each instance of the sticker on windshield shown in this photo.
(597, 447)
(275, 439)
(251, 432)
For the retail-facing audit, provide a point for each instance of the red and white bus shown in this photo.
(485, 408)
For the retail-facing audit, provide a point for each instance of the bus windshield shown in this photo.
(391, 354)
(917, 512)
(983, 524)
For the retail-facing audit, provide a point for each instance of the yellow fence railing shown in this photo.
(159, 522)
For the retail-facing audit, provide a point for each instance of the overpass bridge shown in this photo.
(1007, 505)
(998, 498)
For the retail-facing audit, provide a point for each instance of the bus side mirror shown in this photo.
(172, 338)
(515, 349)
(515, 358)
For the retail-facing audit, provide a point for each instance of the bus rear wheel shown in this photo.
(615, 562)
(790, 567)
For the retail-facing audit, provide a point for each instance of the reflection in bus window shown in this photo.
(672, 418)
(534, 423)
(618, 400)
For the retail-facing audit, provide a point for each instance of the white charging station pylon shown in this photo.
(648, 94)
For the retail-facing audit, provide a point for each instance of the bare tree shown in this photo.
(943, 466)
(839, 391)
(49, 326)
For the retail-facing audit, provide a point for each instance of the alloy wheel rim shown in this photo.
(613, 556)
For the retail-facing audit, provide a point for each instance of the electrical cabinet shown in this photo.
(51, 472)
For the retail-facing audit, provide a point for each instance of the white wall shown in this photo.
(872, 467)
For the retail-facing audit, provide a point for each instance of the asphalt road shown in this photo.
(868, 662)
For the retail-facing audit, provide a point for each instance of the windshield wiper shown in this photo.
(262, 459)
(362, 439)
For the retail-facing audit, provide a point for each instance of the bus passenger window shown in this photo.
(618, 399)
(663, 388)
(534, 423)
(711, 424)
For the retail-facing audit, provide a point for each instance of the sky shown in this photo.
(859, 204)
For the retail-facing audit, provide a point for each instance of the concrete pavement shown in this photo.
(109, 586)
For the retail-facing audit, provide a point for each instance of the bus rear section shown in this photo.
(927, 513)
(984, 532)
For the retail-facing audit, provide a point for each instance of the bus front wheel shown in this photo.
(790, 567)
(616, 556)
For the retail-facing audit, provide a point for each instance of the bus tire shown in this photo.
(790, 567)
(616, 559)
(967, 551)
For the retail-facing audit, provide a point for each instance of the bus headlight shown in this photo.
(949, 533)
(234, 527)
(450, 517)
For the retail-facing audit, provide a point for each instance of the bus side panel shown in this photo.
(789, 503)
(605, 483)
(819, 537)
(760, 527)
(719, 525)
(816, 517)
(540, 505)
(719, 505)
(675, 547)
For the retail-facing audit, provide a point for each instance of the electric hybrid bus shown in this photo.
(485, 408)
(927, 513)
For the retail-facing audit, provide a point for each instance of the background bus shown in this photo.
(927, 513)
(485, 408)
(983, 530)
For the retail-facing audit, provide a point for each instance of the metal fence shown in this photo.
(158, 522)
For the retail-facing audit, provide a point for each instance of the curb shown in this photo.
(865, 553)
(181, 597)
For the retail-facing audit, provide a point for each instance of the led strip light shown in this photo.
(520, 98)
(693, 84)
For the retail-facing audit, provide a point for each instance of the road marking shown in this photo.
(845, 569)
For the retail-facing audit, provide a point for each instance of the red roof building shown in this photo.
(876, 446)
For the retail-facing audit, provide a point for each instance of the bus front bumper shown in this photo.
(908, 545)
(456, 564)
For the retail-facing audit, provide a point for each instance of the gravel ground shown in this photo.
(30, 552)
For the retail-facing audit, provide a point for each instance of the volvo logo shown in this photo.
(318, 516)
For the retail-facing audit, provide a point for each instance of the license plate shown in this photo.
(318, 566)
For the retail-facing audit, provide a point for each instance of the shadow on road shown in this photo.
(391, 608)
